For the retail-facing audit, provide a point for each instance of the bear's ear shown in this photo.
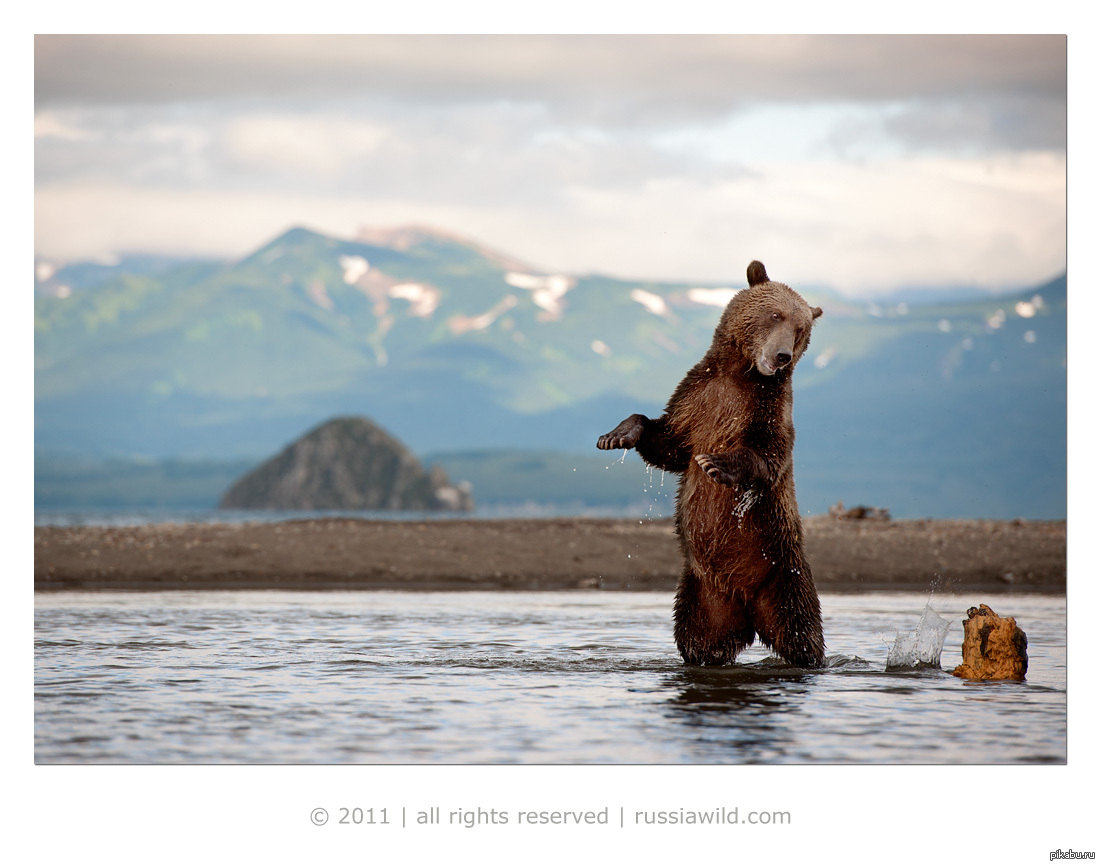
(816, 312)
(756, 274)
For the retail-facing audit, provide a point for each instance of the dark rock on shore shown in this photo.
(347, 464)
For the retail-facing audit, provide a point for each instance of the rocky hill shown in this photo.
(347, 464)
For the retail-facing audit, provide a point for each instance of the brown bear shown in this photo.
(727, 429)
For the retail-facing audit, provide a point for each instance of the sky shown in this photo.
(860, 163)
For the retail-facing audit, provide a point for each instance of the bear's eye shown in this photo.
(778, 317)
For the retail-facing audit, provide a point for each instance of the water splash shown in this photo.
(747, 501)
(655, 494)
(920, 648)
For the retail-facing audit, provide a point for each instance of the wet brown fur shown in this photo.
(727, 430)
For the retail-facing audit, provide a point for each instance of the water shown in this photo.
(487, 678)
(143, 515)
(921, 648)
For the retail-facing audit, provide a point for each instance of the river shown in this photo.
(488, 678)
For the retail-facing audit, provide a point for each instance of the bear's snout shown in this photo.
(771, 361)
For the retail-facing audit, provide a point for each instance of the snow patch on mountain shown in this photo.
(653, 303)
(464, 324)
(354, 268)
(711, 297)
(423, 300)
(546, 291)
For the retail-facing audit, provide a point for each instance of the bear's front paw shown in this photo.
(718, 468)
(626, 435)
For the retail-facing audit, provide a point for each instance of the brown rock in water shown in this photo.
(994, 648)
(347, 464)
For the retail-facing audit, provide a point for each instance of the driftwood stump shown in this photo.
(994, 648)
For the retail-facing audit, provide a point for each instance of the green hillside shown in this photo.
(926, 409)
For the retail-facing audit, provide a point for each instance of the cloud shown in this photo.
(48, 125)
(1022, 122)
(857, 227)
(867, 162)
(621, 80)
(147, 146)
(324, 148)
(493, 153)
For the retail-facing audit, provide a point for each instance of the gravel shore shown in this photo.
(847, 555)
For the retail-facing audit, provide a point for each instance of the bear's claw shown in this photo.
(626, 435)
(709, 463)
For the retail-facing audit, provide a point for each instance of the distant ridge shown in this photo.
(951, 407)
(405, 238)
(346, 464)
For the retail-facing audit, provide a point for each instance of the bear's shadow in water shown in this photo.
(766, 686)
(744, 709)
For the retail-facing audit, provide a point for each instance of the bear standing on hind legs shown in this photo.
(728, 431)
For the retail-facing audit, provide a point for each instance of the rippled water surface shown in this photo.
(255, 677)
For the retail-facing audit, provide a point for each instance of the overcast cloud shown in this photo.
(862, 162)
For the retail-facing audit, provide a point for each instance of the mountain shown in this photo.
(947, 408)
(960, 411)
(427, 336)
(61, 281)
(346, 464)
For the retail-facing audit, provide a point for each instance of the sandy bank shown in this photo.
(544, 554)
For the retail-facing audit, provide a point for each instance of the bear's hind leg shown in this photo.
(787, 615)
(711, 626)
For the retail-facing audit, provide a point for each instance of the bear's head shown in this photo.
(767, 325)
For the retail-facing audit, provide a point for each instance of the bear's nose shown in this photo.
(782, 359)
